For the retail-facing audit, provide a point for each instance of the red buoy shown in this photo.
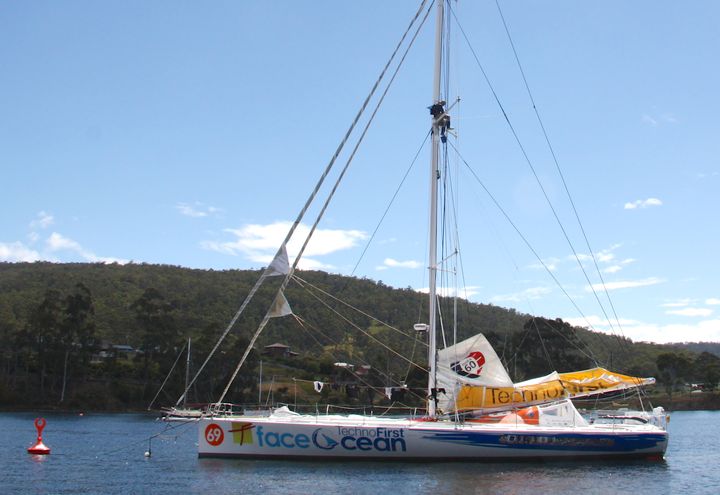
(39, 448)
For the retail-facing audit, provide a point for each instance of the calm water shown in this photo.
(104, 454)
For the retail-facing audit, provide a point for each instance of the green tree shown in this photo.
(80, 320)
(77, 334)
(707, 369)
(44, 331)
(545, 346)
(158, 328)
(674, 367)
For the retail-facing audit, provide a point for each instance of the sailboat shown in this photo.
(474, 410)
(184, 411)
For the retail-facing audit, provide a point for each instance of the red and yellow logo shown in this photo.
(242, 432)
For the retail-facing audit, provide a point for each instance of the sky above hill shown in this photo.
(191, 134)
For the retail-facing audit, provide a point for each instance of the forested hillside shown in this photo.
(105, 335)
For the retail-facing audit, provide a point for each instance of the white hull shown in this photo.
(360, 437)
(176, 414)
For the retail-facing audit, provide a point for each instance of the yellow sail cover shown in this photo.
(546, 389)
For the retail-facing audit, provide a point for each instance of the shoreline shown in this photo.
(705, 401)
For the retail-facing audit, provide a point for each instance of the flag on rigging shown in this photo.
(280, 265)
(280, 307)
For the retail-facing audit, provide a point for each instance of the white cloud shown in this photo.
(390, 240)
(464, 292)
(656, 120)
(681, 303)
(259, 243)
(43, 221)
(17, 252)
(309, 264)
(550, 264)
(599, 323)
(603, 256)
(197, 210)
(702, 175)
(392, 263)
(702, 331)
(527, 294)
(643, 203)
(625, 284)
(649, 120)
(57, 242)
(607, 255)
(713, 301)
(690, 312)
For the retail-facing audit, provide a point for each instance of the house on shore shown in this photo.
(278, 350)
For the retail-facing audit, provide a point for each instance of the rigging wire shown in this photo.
(560, 173)
(589, 354)
(449, 192)
(329, 198)
(302, 283)
(367, 334)
(525, 240)
(318, 185)
(390, 204)
(412, 358)
(534, 172)
(542, 343)
(149, 439)
(168, 376)
(302, 322)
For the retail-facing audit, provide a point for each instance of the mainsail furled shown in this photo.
(474, 379)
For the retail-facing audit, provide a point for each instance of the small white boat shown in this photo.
(181, 413)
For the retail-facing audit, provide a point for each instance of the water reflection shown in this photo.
(254, 476)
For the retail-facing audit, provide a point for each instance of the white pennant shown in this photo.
(280, 265)
(280, 307)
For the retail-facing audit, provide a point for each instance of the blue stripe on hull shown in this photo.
(556, 441)
(495, 457)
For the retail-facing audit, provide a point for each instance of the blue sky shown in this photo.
(190, 134)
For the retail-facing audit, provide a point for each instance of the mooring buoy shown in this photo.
(39, 448)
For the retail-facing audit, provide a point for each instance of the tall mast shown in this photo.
(437, 112)
(187, 373)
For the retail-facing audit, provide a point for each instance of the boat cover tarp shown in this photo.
(547, 389)
(473, 378)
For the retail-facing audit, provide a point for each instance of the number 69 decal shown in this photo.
(214, 434)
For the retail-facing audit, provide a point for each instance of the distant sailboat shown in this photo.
(184, 412)
(474, 410)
